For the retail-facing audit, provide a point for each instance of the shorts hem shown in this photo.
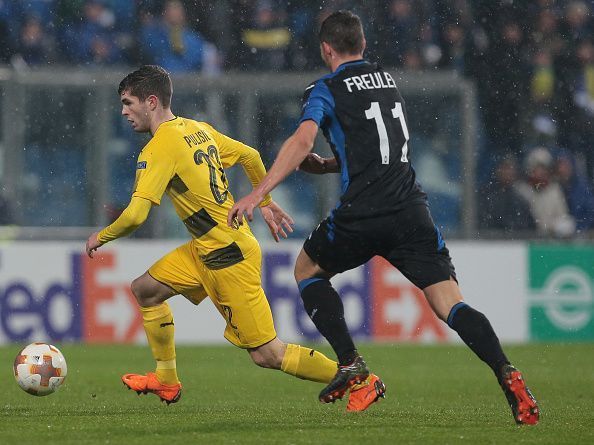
(431, 282)
(316, 260)
(252, 345)
(163, 283)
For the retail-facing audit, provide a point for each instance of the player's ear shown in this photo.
(153, 101)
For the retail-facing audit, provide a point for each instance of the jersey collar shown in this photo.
(351, 63)
(168, 123)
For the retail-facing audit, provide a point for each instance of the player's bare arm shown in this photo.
(131, 218)
(291, 155)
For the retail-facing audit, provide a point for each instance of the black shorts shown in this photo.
(408, 239)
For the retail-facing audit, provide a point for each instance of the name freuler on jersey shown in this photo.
(370, 81)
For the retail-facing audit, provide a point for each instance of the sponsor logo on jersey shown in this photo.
(141, 165)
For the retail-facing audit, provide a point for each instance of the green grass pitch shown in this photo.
(435, 395)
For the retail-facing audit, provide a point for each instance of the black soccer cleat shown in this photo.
(521, 401)
(345, 377)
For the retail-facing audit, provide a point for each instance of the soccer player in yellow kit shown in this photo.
(186, 159)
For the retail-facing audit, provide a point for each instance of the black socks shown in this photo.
(324, 307)
(476, 331)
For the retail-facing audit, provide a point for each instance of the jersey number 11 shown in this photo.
(374, 112)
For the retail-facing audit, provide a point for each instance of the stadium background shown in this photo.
(500, 98)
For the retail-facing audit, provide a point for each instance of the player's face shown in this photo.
(136, 112)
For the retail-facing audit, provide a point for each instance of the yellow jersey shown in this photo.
(186, 159)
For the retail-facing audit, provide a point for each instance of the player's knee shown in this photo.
(299, 273)
(304, 267)
(270, 355)
(303, 273)
(136, 288)
(139, 290)
(268, 361)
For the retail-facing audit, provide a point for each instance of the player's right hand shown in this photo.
(279, 222)
(313, 163)
(245, 205)
(92, 244)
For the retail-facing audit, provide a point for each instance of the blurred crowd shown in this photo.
(532, 63)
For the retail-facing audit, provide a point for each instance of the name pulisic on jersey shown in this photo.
(196, 138)
(370, 81)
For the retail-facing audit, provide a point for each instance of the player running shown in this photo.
(382, 211)
(186, 159)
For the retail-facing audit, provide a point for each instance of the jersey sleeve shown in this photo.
(317, 103)
(131, 218)
(231, 151)
(154, 170)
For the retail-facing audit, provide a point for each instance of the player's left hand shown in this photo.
(314, 164)
(278, 221)
(92, 244)
(245, 205)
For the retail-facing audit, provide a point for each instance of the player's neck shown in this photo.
(339, 60)
(160, 117)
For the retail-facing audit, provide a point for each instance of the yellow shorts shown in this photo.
(236, 290)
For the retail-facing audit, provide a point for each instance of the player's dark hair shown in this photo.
(343, 31)
(148, 80)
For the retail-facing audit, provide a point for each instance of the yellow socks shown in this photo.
(159, 328)
(308, 364)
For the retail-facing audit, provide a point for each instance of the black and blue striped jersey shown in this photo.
(362, 115)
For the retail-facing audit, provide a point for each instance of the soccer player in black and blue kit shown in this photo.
(382, 211)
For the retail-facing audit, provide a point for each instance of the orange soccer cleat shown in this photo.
(363, 395)
(149, 383)
(521, 401)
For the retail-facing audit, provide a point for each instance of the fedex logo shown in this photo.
(380, 304)
(75, 309)
(54, 292)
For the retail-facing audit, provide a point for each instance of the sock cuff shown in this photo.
(290, 361)
(453, 311)
(304, 283)
(166, 364)
(155, 312)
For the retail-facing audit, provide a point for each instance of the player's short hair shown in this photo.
(343, 31)
(148, 80)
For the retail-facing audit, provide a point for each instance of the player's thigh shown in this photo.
(306, 268)
(442, 297)
(416, 248)
(335, 247)
(237, 293)
(179, 271)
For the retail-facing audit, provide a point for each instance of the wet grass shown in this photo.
(436, 395)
